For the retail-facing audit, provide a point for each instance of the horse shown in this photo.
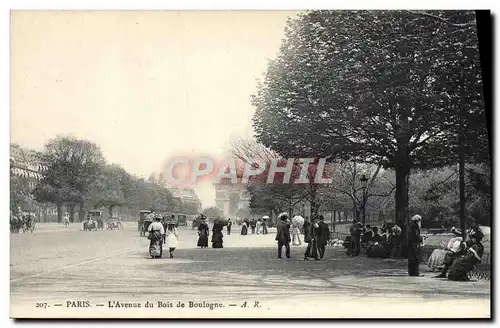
(15, 224)
(28, 223)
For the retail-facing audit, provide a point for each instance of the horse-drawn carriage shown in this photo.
(94, 221)
(24, 222)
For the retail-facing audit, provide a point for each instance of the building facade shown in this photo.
(232, 199)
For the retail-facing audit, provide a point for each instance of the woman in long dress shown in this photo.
(244, 229)
(172, 238)
(203, 233)
(463, 265)
(310, 239)
(156, 232)
(217, 235)
(296, 235)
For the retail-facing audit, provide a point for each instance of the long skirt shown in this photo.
(156, 248)
(436, 260)
(413, 259)
(312, 250)
(459, 270)
(244, 231)
(203, 240)
(217, 240)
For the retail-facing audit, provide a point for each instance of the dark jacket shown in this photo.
(414, 236)
(322, 234)
(283, 232)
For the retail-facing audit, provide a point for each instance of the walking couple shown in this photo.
(317, 235)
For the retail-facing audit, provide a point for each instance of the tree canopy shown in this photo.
(382, 87)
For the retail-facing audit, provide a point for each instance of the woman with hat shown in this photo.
(414, 241)
(156, 232)
(203, 232)
(217, 234)
(461, 267)
(244, 228)
(172, 237)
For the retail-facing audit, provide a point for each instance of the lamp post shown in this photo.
(364, 181)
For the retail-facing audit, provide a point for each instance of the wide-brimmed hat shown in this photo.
(283, 215)
(416, 218)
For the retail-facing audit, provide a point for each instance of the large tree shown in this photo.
(73, 166)
(372, 86)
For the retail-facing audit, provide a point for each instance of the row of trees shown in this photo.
(391, 92)
(79, 177)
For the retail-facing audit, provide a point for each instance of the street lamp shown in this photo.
(364, 181)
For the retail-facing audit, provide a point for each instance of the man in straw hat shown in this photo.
(414, 241)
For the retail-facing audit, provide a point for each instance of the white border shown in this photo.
(189, 5)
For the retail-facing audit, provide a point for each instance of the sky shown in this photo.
(143, 85)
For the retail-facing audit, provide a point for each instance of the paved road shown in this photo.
(57, 265)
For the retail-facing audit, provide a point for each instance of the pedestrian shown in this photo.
(229, 225)
(305, 227)
(172, 238)
(217, 234)
(203, 233)
(296, 235)
(310, 239)
(355, 231)
(283, 234)
(259, 225)
(252, 226)
(414, 242)
(156, 232)
(322, 236)
(244, 229)
(264, 226)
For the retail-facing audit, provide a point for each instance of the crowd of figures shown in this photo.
(385, 241)
(254, 227)
(459, 258)
(316, 235)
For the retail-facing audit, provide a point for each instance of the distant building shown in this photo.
(27, 163)
(187, 199)
(232, 199)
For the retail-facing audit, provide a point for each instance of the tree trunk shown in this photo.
(110, 211)
(72, 213)
(81, 212)
(59, 212)
(402, 174)
(461, 174)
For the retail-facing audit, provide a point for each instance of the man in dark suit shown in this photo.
(322, 236)
(414, 241)
(283, 235)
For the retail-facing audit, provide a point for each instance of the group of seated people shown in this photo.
(458, 258)
(383, 242)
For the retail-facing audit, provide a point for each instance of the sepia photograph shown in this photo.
(182, 164)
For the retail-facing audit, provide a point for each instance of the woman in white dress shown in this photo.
(172, 239)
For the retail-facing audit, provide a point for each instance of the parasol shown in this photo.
(265, 217)
(298, 220)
